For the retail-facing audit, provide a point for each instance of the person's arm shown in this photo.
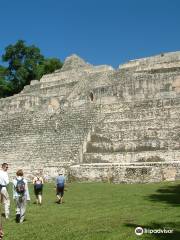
(14, 189)
(42, 180)
(55, 182)
(27, 191)
(65, 184)
(6, 178)
(34, 180)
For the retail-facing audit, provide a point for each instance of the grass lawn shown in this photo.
(100, 211)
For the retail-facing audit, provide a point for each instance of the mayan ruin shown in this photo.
(97, 123)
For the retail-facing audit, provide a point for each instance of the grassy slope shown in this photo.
(100, 211)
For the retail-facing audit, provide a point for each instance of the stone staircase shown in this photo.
(36, 140)
(128, 132)
(142, 134)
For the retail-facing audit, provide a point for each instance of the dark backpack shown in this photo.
(20, 186)
(38, 184)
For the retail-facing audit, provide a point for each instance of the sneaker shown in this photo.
(17, 218)
(22, 220)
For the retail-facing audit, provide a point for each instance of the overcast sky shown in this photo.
(100, 31)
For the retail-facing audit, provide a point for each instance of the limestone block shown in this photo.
(34, 82)
(176, 85)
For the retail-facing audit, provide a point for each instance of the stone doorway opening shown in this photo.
(91, 96)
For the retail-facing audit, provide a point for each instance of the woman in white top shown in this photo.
(20, 195)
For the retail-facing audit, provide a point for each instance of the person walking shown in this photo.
(1, 234)
(1, 225)
(4, 181)
(20, 195)
(60, 183)
(38, 188)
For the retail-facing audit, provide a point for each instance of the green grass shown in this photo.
(100, 211)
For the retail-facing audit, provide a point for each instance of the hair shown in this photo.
(19, 173)
(4, 165)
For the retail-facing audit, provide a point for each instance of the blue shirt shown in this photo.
(60, 180)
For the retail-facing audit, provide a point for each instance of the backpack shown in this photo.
(38, 184)
(20, 186)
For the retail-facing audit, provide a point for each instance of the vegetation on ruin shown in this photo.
(23, 64)
(100, 211)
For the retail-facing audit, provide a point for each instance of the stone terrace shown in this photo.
(97, 123)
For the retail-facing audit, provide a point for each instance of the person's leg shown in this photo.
(36, 195)
(18, 210)
(22, 209)
(6, 201)
(58, 194)
(37, 200)
(40, 199)
(7, 207)
(1, 197)
(61, 200)
(62, 194)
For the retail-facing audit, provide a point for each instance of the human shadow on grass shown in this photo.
(169, 195)
(157, 227)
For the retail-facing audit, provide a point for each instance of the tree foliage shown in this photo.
(5, 86)
(25, 63)
(48, 66)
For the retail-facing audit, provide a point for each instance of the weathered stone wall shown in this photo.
(162, 62)
(39, 138)
(97, 123)
(124, 173)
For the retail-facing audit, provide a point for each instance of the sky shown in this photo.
(108, 32)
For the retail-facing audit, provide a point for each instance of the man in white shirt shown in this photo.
(4, 181)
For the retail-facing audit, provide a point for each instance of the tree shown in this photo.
(5, 86)
(49, 65)
(22, 63)
(25, 63)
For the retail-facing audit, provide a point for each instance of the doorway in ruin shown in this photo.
(91, 96)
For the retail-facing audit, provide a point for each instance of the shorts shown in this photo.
(60, 191)
(38, 191)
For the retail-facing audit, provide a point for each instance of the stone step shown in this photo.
(142, 105)
(133, 157)
(132, 145)
(132, 124)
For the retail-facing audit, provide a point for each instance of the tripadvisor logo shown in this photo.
(139, 231)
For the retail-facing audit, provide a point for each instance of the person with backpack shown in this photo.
(20, 195)
(38, 188)
(60, 184)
